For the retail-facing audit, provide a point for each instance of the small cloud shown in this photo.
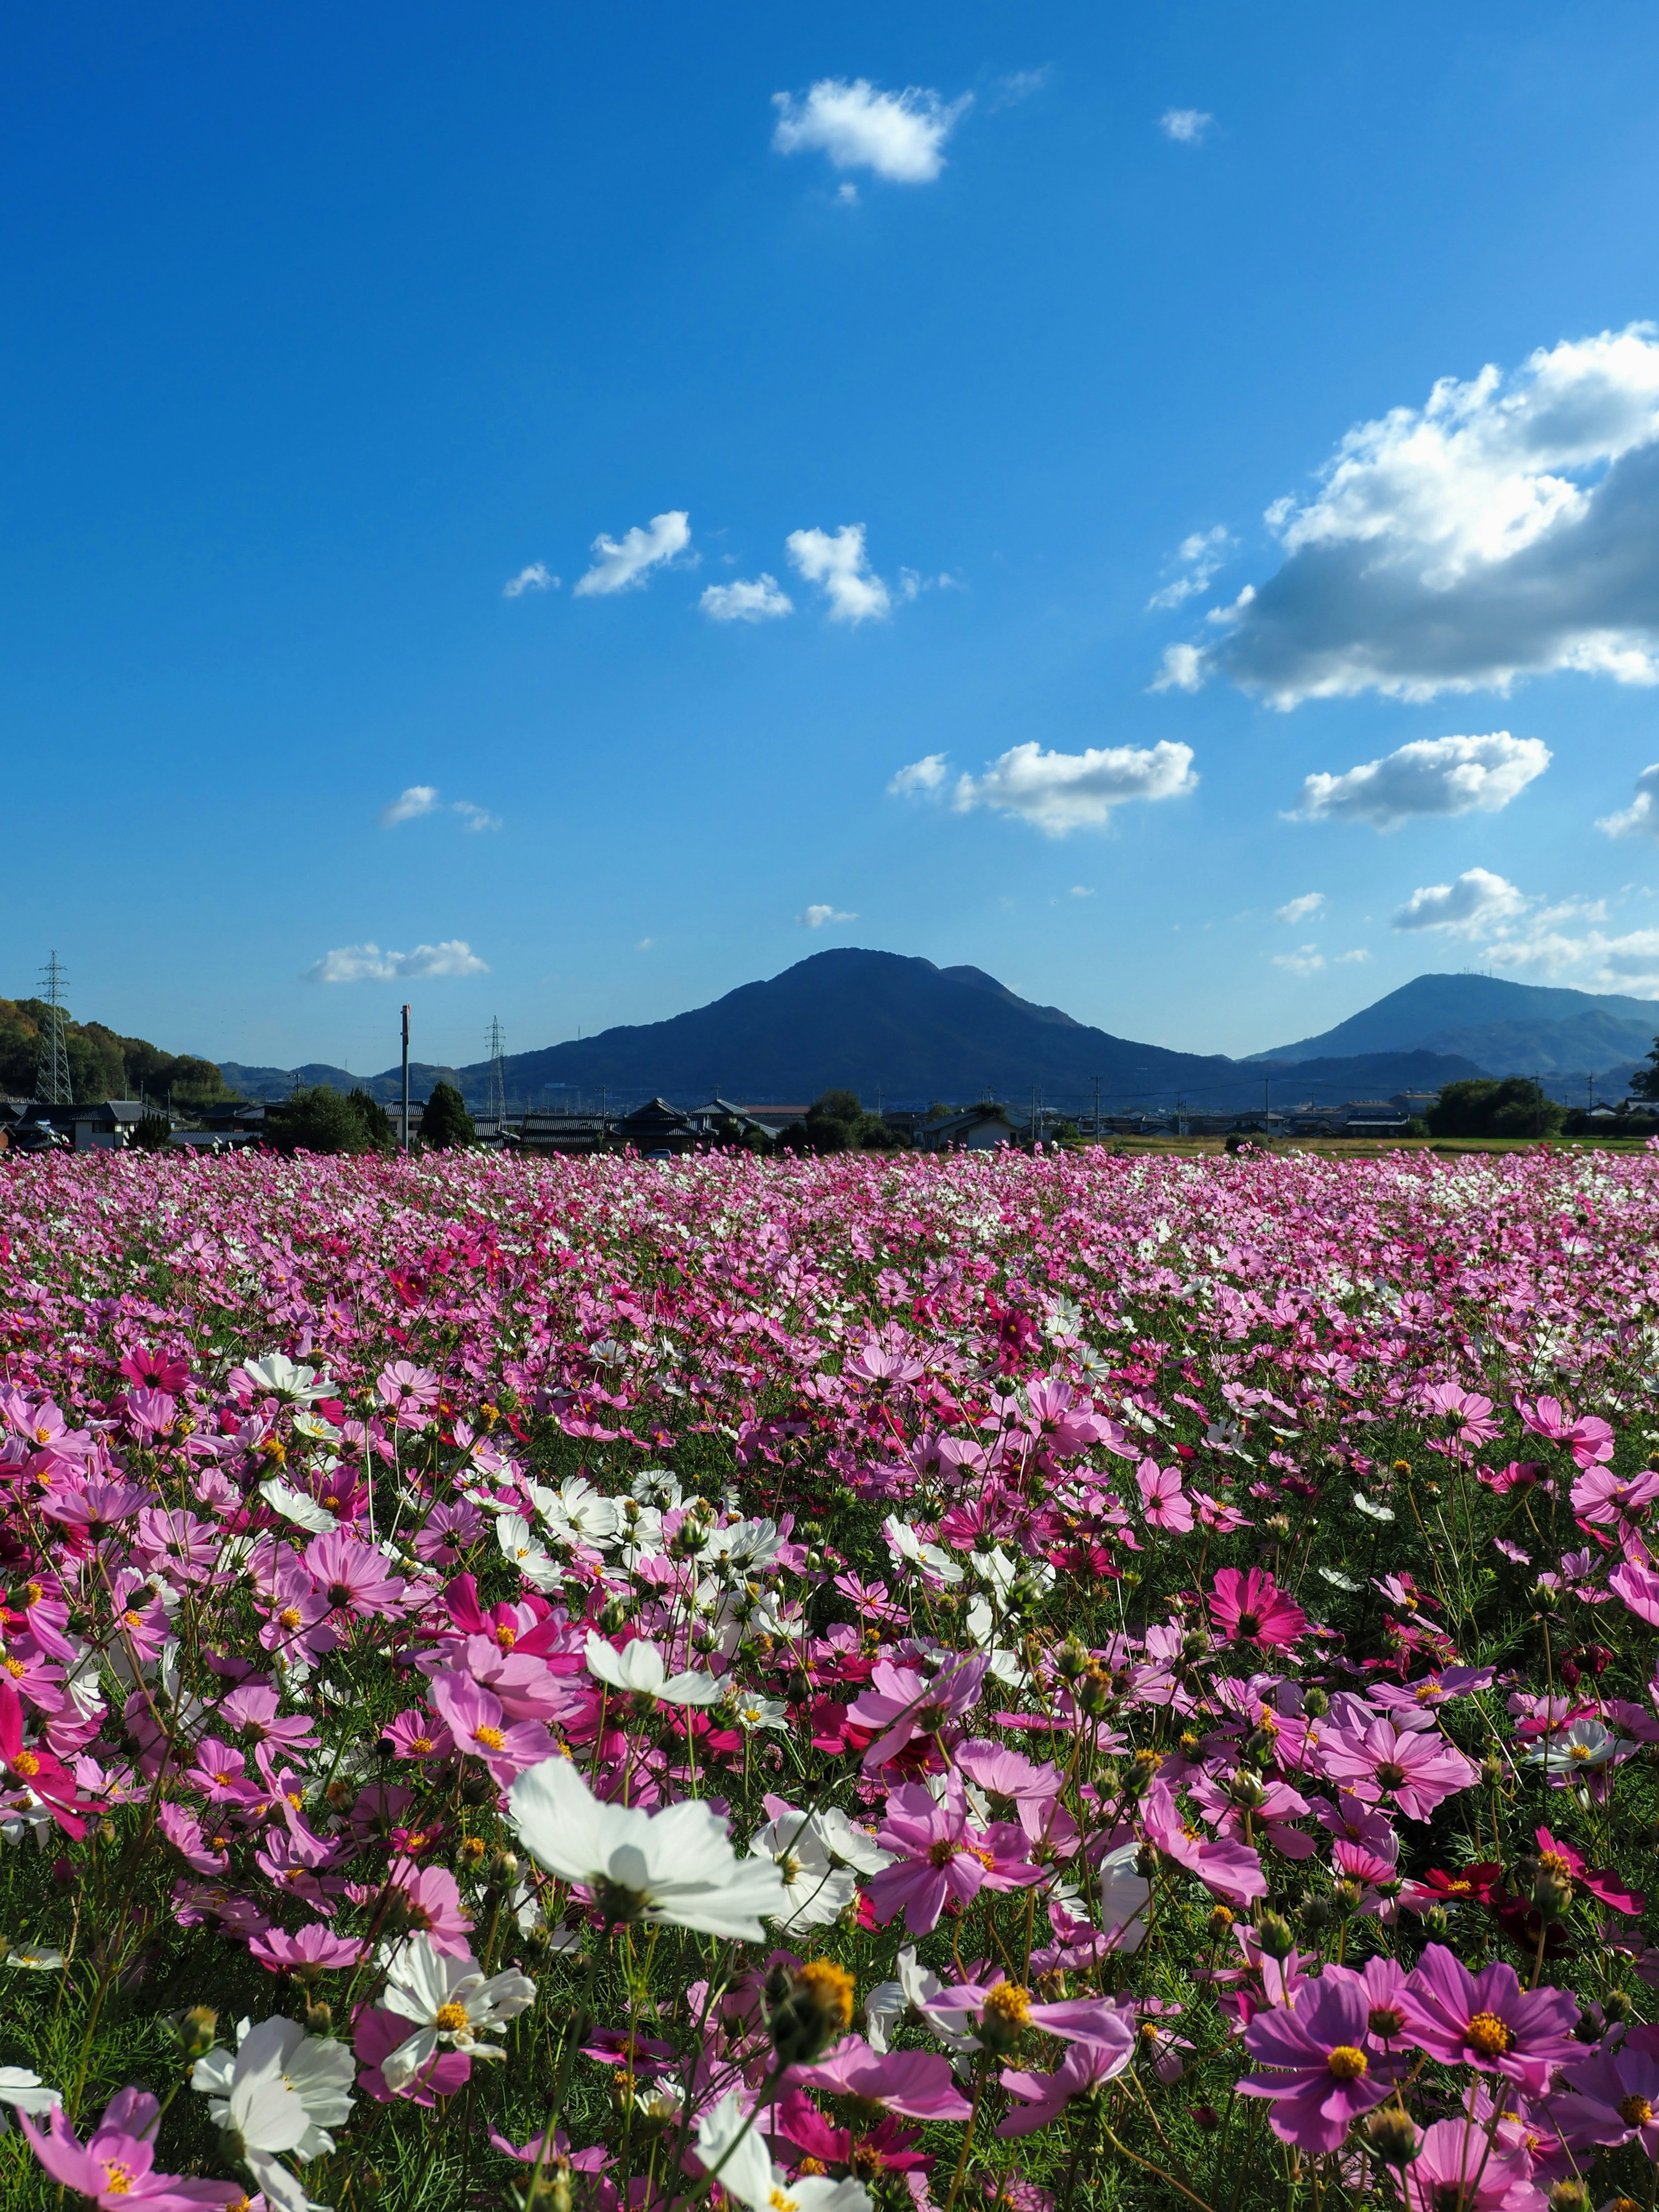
(645, 944)
(912, 584)
(1476, 901)
(475, 817)
(1298, 910)
(1183, 669)
(419, 799)
(760, 601)
(816, 916)
(1185, 125)
(1353, 959)
(1429, 775)
(1083, 890)
(846, 195)
(925, 774)
(899, 134)
(1641, 817)
(1306, 960)
(366, 963)
(838, 561)
(1019, 85)
(537, 577)
(1198, 556)
(1058, 792)
(629, 561)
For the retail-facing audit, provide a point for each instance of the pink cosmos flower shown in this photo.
(427, 1900)
(1327, 2068)
(481, 1729)
(155, 1371)
(1163, 1501)
(1455, 2166)
(416, 1735)
(1640, 1589)
(938, 1856)
(351, 1575)
(1044, 2097)
(918, 2083)
(1621, 2085)
(407, 1391)
(1606, 1498)
(1486, 2020)
(186, 1549)
(1589, 1439)
(96, 1505)
(35, 1768)
(1601, 1883)
(904, 1704)
(1231, 1868)
(1415, 1766)
(1251, 1607)
(1070, 2019)
(310, 1952)
(376, 2034)
(116, 2166)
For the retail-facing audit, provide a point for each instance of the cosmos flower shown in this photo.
(1252, 1608)
(1486, 2020)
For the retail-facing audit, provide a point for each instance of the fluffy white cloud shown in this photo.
(1185, 125)
(1298, 910)
(760, 601)
(366, 963)
(816, 916)
(408, 806)
(625, 562)
(1641, 817)
(1061, 791)
(1429, 775)
(475, 817)
(1198, 557)
(537, 577)
(1474, 904)
(1307, 960)
(925, 774)
(1509, 526)
(1595, 960)
(840, 564)
(1360, 952)
(899, 134)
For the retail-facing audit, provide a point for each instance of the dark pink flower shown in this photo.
(1487, 2019)
(1456, 2167)
(938, 1856)
(1415, 1766)
(116, 2165)
(313, 1950)
(1163, 1501)
(1044, 2097)
(905, 1704)
(1327, 2067)
(1252, 1608)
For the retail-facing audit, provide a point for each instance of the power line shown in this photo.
(497, 1073)
(51, 1073)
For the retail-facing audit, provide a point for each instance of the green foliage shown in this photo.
(153, 1135)
(377, 1122)
(1484, 1107)
(1644, 1083)
(445, 1121)
(102, 1063)
(870, 1133)
(319, 1121)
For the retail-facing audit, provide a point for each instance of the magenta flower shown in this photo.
(1608, 1498)
(1232, 1868)
(1251, 1609)
(1163, 1501)
(1600, 1881)
(376, 2034)
(116, 2166)
(1327, 2070)
(1486, 2020)
(1456, 2167)
(904, 1704)
(312, 1950)
(481, 1729)
(35, 1768)
(918, 2083)
(351, 1577)
(1044, 2097)
(1415, 1766)
(93, 1505)
(1640, 1589)
(937, 1856)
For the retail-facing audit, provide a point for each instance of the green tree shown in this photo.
(445, 1121)
(1484, 1107)
(872, 1135)
(153, 1133)
(830, 1121)
(377, 1122)
(322, 1120)
(1644, 1083)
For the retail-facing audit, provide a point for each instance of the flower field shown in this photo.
(870, 1682)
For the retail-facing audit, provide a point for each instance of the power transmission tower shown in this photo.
(52, 1074)
(497, 1074)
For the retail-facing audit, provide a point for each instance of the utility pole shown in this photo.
(1097, 1109)
(51, 1076)
(406, 1078)
(497, 1073)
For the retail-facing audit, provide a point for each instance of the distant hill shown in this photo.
(900, 1029)
(277, 1082)
(1511, 1028)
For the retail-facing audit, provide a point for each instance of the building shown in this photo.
(980, 1129)
(657, 1127)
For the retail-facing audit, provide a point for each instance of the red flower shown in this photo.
(35, 1768)
(1252, 1608)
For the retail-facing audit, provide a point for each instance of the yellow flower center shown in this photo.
(1578, 1751)
(831, 1990)
(290, 1616)
(17, 1669)
(1011, 2004)
(1488, 2035)
(421, 1744)
(941, 1853)
(26, 1765)
(1347, 2063)
(490, 1738)
(1635, 2112)
(450, 2018)
(118, 2179)
(780, 2202)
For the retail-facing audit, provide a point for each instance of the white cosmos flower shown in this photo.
(316, 1429)
(902, 1540)
(1125, 1893)
(1371, 1509)
(753, 1712)
(40, 1958)
(848, 1844)
(23, 2089)
(725, 2142)
(450, 2000)
(890, 2004)
(747, 1546)
(293, 1505)
(576, 1513)
(816, 1891)
(518, 1543)
(677, 1866)
(278, 1376)
(639, 1666)
(1586, 1743)
(659, 1486)
(281, 2090)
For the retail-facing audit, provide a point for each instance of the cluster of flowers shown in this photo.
(859, 1681)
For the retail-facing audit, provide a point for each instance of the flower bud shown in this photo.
(477, 1789)
(1094, 1690)
(1552, 1893)
(1272, 1935)
(816, 2010)
(1616, 2005)
(195, 2030)
(613, 1616)
(1220, 1921)
(1546, 1597)
(1391, 2135)
(504, 1868)
(1245, 1790)
(1491, 1770)
(1437, 1921)
(1316, 1915)
(1070, 1660)
(1205, 2116)
(320, 2018)
(1316, 1705)
(1570, 2195)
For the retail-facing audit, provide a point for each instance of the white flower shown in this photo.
(451, 2000)
(980, 1625)
(752, 1712)
(1586, 1743)
(902, 1540)
(1338, 1580)
(277, 1377)
(917, 1986)
(281, 2090)
(533, 1561)
(41, 1958)
(1370, 1509)
(848, 1844)
(1125, 1893)
(677, 1866)
(638, 1666)
(576, 1513)
(816, 1892)
(747, 1546)
(726, 2143)
(313, 1427)
(659, 1486)
(293, 1505)
(639, 1533)
(25, 2091)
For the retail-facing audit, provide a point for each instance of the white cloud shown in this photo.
(419, 799)
(1199, 558)
(1641, 817)
(473, 818)
(1353, 959)
(1185, 125)
(1083, 890)
(899, 134)
(625, 562)
(925, 774)
(1183, 669)
(840, 564)
(816, 916)
(1298, 910)
(645, 944)
(1509, 526)
(1429, 775)
(1018, 85)
(366, 963)
(760, 601)
(1475, 903)
(537, 577)
(1307, 960)
(1061, 791)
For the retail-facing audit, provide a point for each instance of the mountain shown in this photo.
(1525, 1028)
(906, 1032)
(277, 1082)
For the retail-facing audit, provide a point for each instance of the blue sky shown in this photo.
(949, 326)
